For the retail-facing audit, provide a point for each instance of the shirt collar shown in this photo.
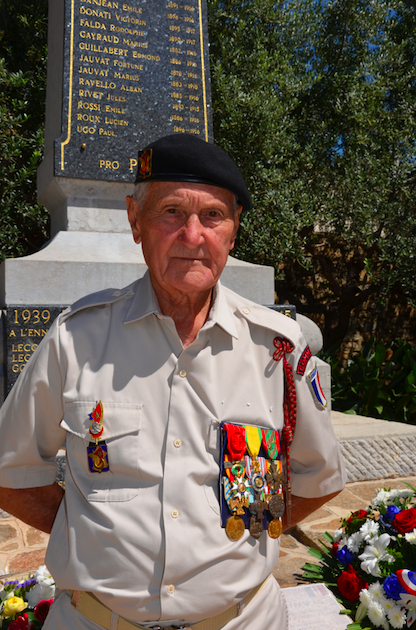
(145, 303)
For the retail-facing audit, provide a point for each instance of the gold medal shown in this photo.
(275, 528)
(234, 527)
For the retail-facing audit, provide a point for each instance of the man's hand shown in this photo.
(35, 506)
(301, 508)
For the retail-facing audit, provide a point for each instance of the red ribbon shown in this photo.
(236, 441)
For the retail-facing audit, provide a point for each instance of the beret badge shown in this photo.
(145, 162)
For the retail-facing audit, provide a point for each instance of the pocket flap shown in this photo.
(118, 418)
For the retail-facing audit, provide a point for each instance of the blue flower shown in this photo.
(392, 587)
(345, 556)
(392, 510)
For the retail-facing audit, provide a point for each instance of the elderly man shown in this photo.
(186, 410)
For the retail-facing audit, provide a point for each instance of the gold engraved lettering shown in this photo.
(120, 52)
(90, 24)
(12, 333)
(176, 61)
(130, 9)
(173, 16)
(174, 28)
(88, 118)
(127, 64)
(192, 86)
(195, 120)
(133, 163)
(87, 130)
(111, 39)
(192, 97)
(97, 60)
(106, 132)
(179, 130)
(176, 84)
(188, 8)
(99, 84)
(189, 19)
(173, 38)
(108, 164)
(176, 50)
(191, 52)
(190, 30)
(104, 15)
(130, 20)
(89, 94)
(93, 71)
(176, 94)
(114, 110)
(191, 42)
(128, 31)
(196, 131)
(176, 117)
(91, 106)
(113, 97)
(129, 42)
(178, 106)
(102, 3)
(131, 88)
(173, 5)
(192, 75)
(194, 109)
(139, 55)
(126, 77)
(176, 73)
(116, 121)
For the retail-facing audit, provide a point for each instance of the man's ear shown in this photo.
(236, 226)
(133, 215)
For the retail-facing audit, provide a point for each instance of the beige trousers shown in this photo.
(267, 611)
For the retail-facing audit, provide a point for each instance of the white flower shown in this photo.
(411, 537)
(397, 617)
(365, 597)
(3, 594)
(388, 604)
(369, 530)
(43, 576)
(338, 533)
(375, 553)
(38, 592)
(388, 497)
(44, 589)
(376, 614)
(354, 542)
(377, 593)
(409, 602)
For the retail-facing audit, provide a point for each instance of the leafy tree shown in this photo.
(23, 39)
(317, 101)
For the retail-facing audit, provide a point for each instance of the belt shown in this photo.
(89, 606)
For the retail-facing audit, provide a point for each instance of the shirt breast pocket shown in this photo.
(122, 425)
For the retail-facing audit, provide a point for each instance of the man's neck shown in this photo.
(189, 312)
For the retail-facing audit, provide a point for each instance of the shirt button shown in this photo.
(116, 293)
(182, 373)
(171, 589)
(174, 513)
(246, 311)
(177, 443)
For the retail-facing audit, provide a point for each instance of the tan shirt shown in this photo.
(146, 537)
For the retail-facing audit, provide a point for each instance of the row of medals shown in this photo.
(241, 490)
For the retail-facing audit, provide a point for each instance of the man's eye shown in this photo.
(171, 211)
(213, 214)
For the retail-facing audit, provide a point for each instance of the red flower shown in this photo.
(42, 609)
(350, 584)
(405, 521)
(359, 514)
(334, 548)
(21, 623)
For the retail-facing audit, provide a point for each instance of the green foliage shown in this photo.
(379, 382)
(317, 104)
(23, 221)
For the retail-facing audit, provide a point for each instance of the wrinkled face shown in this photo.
(186, 231)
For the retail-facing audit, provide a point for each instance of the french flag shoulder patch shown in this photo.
(316, 389)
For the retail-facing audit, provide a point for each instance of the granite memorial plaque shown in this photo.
(133, 72)
(25, 328)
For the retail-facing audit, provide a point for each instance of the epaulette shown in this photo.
(100, 298)
(268, 318)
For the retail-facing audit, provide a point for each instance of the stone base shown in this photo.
(375, 449)
(74, 264)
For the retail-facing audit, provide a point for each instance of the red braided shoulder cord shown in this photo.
(284, 346)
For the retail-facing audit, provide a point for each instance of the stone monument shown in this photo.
(120, 74)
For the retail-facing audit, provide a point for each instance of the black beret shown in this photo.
(183, 157)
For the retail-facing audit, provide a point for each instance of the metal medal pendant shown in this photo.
(276, 506)
(275, 528)
(234, 528)
(256, 527)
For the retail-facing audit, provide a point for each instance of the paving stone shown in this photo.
(11, 547)
(346, 500)
(27, 562)
(34, 537)
(288, 542)
(289, 569)
(320, 513)
(7, 532)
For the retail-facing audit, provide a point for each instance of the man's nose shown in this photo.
(192, 232)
